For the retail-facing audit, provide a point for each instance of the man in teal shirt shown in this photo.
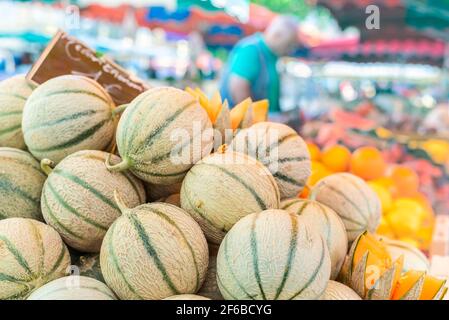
(251, 69)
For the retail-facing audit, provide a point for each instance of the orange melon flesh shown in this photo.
(405, 283)
(260, 110)
(238, 112)
(214, 107)
(431, 287)
(399, 265)
(377, 256)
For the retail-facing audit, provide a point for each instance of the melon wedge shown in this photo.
(260, 110)
(238, 113)
(409, 286)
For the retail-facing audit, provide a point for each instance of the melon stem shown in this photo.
(119, 109)
(47, 166)
(121, 166)
(119, 201)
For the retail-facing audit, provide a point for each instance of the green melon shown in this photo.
(73, 288)
(78, 198)
(338, 291)
(13, 94)
(161, 134)
(210, 288)
(327, 223)
(281, 150)
(187, 297)
(67, 114)
(31, 254)
(21, 181)
(152, 252)
(272, 255)
(223, 188)
(352, 199)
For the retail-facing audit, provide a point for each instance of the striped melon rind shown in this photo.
(414, 259)
(31, 254)
(281, 150)
(78, 198)
(67, 114)
(152, 252)
(21, 181)
(186, 297)
(158, 191)
(210, 287)
(73, 288)
(13, 94)
(327, 223)
(161, 134)
(338, 291)
(352, 199)
(223, 188)
(272, 255)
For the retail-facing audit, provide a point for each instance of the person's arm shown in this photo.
(240, 88)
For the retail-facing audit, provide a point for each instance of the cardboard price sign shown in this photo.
(67, 55)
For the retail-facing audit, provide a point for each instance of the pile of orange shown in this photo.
(407, 214)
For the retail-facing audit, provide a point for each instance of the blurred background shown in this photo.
(367, 84)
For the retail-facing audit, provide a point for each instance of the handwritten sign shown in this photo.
(67, 55)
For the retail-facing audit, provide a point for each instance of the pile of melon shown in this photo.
(148, 203)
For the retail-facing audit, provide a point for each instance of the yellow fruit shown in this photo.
(412, 206)
(384, 195)
(403, 223)
(336, 158)
(385, 228)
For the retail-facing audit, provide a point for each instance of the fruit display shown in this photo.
(407, 214)
(237, 185)
(73, 288)
(273, 255)
(352, 199)
(157, 200)
(281, 150)
(14, 92)
(149, 131)
(32, 254)
(67, 114)
(78, 197)
(328, 224)
(371, 272)
(137, 259)
(21, 182)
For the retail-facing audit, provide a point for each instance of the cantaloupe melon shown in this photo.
(21, 181)
(327, 223)
(13, 94)
(352, 199)
(281, 150)
(154, 251)
(187, 297)
(67, 114)
(210, 286)
(78, 198)
(224, 187)
(338, 291)
(31, 254)
(272, 255)
(73, 288)
(159, 191)
(161, 134)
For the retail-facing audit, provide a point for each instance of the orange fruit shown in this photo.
(319, 171)
(336, 158)
(367, 163)
(315, 153)
(405, 180)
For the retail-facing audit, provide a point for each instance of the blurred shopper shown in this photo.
(251, 68)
